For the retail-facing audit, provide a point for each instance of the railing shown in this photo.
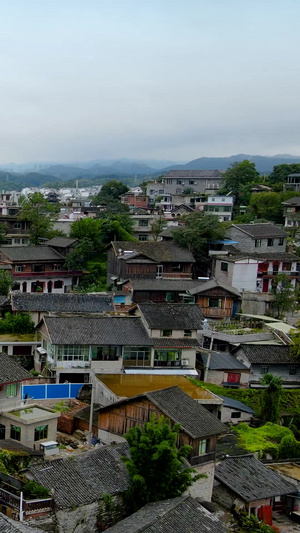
(201, 459)
(49, 274)
(216, 311)
(10, 499)
(275, 272)
(31, 507)
(176, 275)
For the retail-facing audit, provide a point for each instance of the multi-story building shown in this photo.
(199, 181)
(258, 238)
(221, 206)
(292, 182)
(291, 212)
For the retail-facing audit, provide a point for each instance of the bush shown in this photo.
(34, 491)
(19, 324)
(289, 447)
(263, 440)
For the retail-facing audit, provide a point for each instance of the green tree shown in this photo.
(158, 226)
(238, 180)
(156, 466)
(110, 191)
(295, 347)
(284, 295)
(87, 228)
(280, 173)
(6, 282)
(271, 398)
(267, 205)
(40, 214)
(78, 258)
(196, 233)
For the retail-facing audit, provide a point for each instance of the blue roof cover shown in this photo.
(224, 241)
(235, 404)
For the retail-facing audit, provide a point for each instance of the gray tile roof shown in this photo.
(212, 284)
(62, 303)
(172, 316)
(235, 404)
(268, 354)
(61, 242)
(101, 331)
(292, 201)
(251, 479)
(7, 525)
(223, 361)
(194, 174)
(266, 256)
(179, 407)
(11, 371)
(162, 342)
(31, 253)
(159, 252)
(86, 478)
(257, 231)
(161, 284)
(179, 515)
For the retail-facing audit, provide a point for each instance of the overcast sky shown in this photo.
(172, 79)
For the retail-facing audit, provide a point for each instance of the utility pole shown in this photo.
(92, 377)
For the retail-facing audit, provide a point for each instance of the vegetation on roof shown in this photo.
(19, 324)
(279, 441)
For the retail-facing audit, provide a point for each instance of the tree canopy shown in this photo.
(6, 282)
(110, 192)
(41, 215)
(284, 295)
(271, 398)
(280, 173)
(267, 205)
(239, 179)
(156, 466)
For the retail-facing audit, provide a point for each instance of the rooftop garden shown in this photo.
(278, 441)
(17, 324)
(238, 327)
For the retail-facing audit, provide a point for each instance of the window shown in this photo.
(224, 267)
(19, 268)
(264, 369)
(11, 390)
(161, 191)
(58, 284)
(166, 333)
(38, 268)
(17, 225)
(17, 241)
(136, 356)
(270, 242)
(143, 238)
(257, 243)
(187, 333)
(177, 268)
(167, 357)
(170, 296)
(292, 371)
(24, 241)
(104, 353)
(281, 241)
(223, 199)
(143, 222)
(159, 271)
(41, 432)
(215, 302)
(236, 414)
(72, 352)
(126, 199)
(7, 241)
(57, 267)
(202, 447)
(15, 433)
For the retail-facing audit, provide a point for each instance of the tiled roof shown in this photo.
(251, 479)
(61, 242)
(223, 361)
(257, 231)
(194, 174)
(212, 284)
(62, 303)
(86, 478)
(162, 342)
(162, 284)
(172, 316)
(11, 371)
(179, 515)
(179, 407)
(292, 201)
(268, 354)
(31, 253)
(101, 331)
(162, 251)
(7, 525)
(235, 404)
(266, 256)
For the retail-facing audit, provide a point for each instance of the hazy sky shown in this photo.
(172, 79)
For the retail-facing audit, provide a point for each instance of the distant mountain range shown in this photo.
(131, 172)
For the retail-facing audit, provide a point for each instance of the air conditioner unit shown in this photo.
(185, 362)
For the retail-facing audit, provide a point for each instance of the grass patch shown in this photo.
(61, 406)
(265, 439)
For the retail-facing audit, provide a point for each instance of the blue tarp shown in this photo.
(52, 391)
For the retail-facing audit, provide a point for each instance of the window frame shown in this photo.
(166, 332)
(15, 432)
(224, 266)
(41, 432)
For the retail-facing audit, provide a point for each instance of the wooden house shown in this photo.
(216, 299)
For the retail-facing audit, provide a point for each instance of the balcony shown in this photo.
(202, 459)
(49, 274)
(30, 507)
(176, 275)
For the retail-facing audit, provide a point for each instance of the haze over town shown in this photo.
(164, 79)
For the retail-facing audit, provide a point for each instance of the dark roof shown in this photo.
(31, 253)
(162, 342)
(235, 404)
(11, 371)
(212, 284)
(266, 256)
(102, 331)
(7, 525)
(162, 284)
(179, 407)
(61, 242)
(172, 316)
(15, 446)
(179, 515)
(292, 201)
(266, 229)
(162, 251)
(62, 303)
(251, 479)
(86, 478)
(194, 174)
(223, 361)
(268, 354)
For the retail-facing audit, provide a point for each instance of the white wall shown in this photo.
(244, 276)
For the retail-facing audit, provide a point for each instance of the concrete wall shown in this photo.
(256, 303)
(5, 401)
(244, 275)
(27, 430)
(203, 487)
(247, 244)
(217, 377)
(226, 415)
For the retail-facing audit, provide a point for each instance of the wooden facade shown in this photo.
(217, 303)
(118, 419)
